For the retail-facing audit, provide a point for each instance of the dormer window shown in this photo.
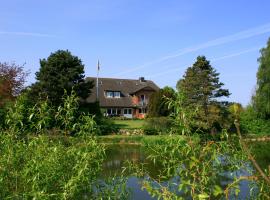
(112, 94)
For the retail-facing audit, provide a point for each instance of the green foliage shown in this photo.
(113, 188)
(261, 99)
(202, 88)
(60, 72)
(90, 108)
(17, 116)
(150, 131)
(157, 103)
(183, 118)
(251, 124)
(199, 166)
(40, 117)
(107, 126)
(3, 112)
(261, 150)
(40, 168)
(88, 126)
(67, 115)
(24, 118)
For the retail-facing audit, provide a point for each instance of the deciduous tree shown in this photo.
(60, 72)
(12, 79)
(157, 104)
(261, 99)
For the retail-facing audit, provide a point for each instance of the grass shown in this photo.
(129, 124)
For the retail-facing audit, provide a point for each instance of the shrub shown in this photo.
(252, 124)
(106, 126)
(41, 168)
(16, 119)
(150, 131)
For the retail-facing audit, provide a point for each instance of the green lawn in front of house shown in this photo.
(129, 124)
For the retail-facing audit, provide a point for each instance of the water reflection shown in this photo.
(117, 155)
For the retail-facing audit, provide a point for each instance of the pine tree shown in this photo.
(201, 87)
(261, 99)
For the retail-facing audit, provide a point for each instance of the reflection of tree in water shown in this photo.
(117, 155)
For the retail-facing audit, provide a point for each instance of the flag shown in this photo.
(98, 66)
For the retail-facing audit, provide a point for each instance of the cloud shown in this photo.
(26, 34)
(235, 54)
(212, 60)
(259, 30)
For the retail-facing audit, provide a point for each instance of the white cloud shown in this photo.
(31, 34)
(211, 60)
(259, 30)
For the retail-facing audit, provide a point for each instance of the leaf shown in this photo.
(217, 190)
(203, 196)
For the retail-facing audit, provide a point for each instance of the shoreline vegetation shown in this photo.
(53, 144)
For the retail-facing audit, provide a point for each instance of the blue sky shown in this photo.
(156, 39)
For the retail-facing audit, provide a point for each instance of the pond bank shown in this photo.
(134, 139)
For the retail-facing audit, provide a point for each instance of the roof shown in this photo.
(127, 87)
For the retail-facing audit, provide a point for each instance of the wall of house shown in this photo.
(138, 115)
(136, 98)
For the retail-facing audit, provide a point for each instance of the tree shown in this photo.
(261, 99)
(157, 103)
(12, 79)
(61, 72)
(201, 87)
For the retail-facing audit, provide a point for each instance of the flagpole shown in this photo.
(97, 80)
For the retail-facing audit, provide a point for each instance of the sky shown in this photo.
(155, 39)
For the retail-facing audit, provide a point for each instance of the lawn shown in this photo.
(129, 124)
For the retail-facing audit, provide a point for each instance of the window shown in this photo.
(116, 94)
(112, 94)
(127, 111)
(109, 94)
(142, 99)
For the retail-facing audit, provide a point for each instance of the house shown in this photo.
(122, 97)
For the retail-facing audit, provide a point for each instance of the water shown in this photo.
(118, 154)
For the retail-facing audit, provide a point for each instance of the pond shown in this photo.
(118, 154)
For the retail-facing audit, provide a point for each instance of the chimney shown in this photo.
(142, 79)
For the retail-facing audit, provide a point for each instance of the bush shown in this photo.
(2, 117)
(40, 168)
(157, 125)
(252, 124)
(106, 126)
(150, 131)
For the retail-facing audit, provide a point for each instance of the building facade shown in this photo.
(122, 97)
